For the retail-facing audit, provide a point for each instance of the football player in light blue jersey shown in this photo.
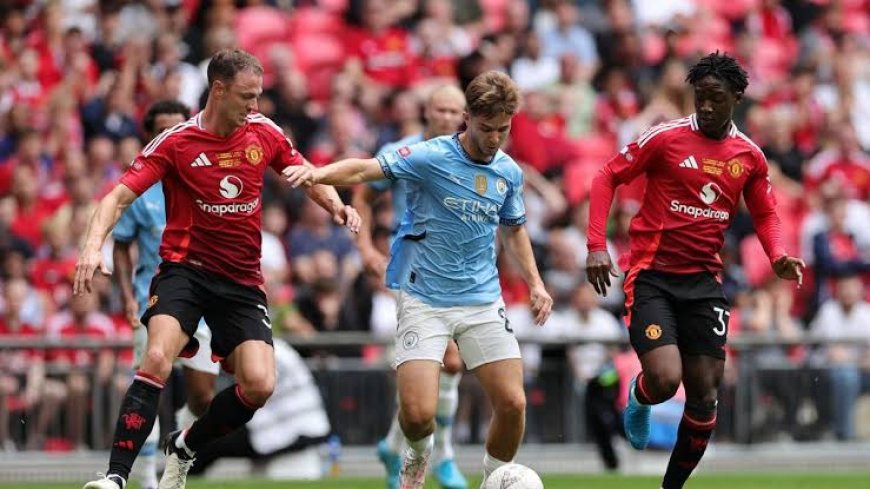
(443, 114)
(143, 223)
(443, 262)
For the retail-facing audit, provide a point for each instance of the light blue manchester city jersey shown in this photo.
(399, 188)
(444, 252)
(143, 222)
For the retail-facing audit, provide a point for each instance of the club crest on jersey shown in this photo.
(735, 168)
(404, 151)
(653, 332)
(480, 184)
(254, 154)
(501, 186)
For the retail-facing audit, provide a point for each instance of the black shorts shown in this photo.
(235, 313)
(687, 310)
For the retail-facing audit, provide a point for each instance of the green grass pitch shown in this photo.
(729, 481)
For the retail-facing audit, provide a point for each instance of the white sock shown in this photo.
(147, 459)
(395, 438)
(420, 448)
(491, 463)
(184, 417)
(179, 443)
(448, 402)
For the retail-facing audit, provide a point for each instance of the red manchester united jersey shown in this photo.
(213, 186)
(693, 189)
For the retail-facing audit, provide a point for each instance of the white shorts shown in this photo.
(201, 362)
(482, 332)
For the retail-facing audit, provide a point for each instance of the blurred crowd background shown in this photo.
(344, 77)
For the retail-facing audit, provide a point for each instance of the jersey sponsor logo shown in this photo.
(231, 186)
(735, 168)
(404, 151)
(653, 332)
(201, 160)
(689, 163)
(501, 186)
(254, 154)
(710, 193)
(234, 208)
(473, 210)
(480, 184)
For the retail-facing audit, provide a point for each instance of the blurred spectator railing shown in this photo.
(355, 389)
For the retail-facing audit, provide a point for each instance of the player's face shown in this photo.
(163, 122)
(487, 134)
(714, 105)
(444, 114)
(240, 97)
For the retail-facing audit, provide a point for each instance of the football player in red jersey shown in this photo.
(212, 169)
(696, 169)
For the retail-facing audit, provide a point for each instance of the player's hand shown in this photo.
(374, 262)
(542, 303)
(790, 268)
(348, 216)
(599, 269)
(89, 262)
(297, 175)
(131, 311)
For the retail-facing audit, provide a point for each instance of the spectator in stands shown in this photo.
(843, 318)
(569, 37)
(22, 371)
(81, 368)
(835, 250)
(532, 69)
(319, 249)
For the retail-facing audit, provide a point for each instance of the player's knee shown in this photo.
(257, 391)
(416, 418)
(156, 362)
(701, 409)
(512, 405)
(452, 364)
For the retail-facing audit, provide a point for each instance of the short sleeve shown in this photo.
(407, 163)
(513, 212)
(127, 228)
(380, 185)
(149, 167)
(279, 147)
(285, 154)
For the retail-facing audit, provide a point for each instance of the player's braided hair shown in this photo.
(160, 108)
(721, 66)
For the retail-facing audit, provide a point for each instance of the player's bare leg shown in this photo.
(503, 383)
(199, 387)
(253, 362)
(701, 378)
(139, 407)
(662, 372)
(418, 398)
(444, 465)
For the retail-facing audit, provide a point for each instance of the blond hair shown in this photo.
(492, 93)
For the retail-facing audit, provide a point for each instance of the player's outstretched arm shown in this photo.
(326, 196)
(105, 216)
(122, 259)
(374, 262)
(518, 245)
(345, 172)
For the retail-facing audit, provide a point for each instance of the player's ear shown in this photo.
(738, 97)
(466, 117)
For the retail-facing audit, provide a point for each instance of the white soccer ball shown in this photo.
(513, 476)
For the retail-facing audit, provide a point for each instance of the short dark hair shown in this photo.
(228, 62)
(721, 66)
(492, 93)
(163, 107)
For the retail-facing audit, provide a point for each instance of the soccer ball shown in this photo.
(513, 476)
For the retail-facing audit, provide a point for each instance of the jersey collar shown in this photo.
(693, 122)
(468, 156)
